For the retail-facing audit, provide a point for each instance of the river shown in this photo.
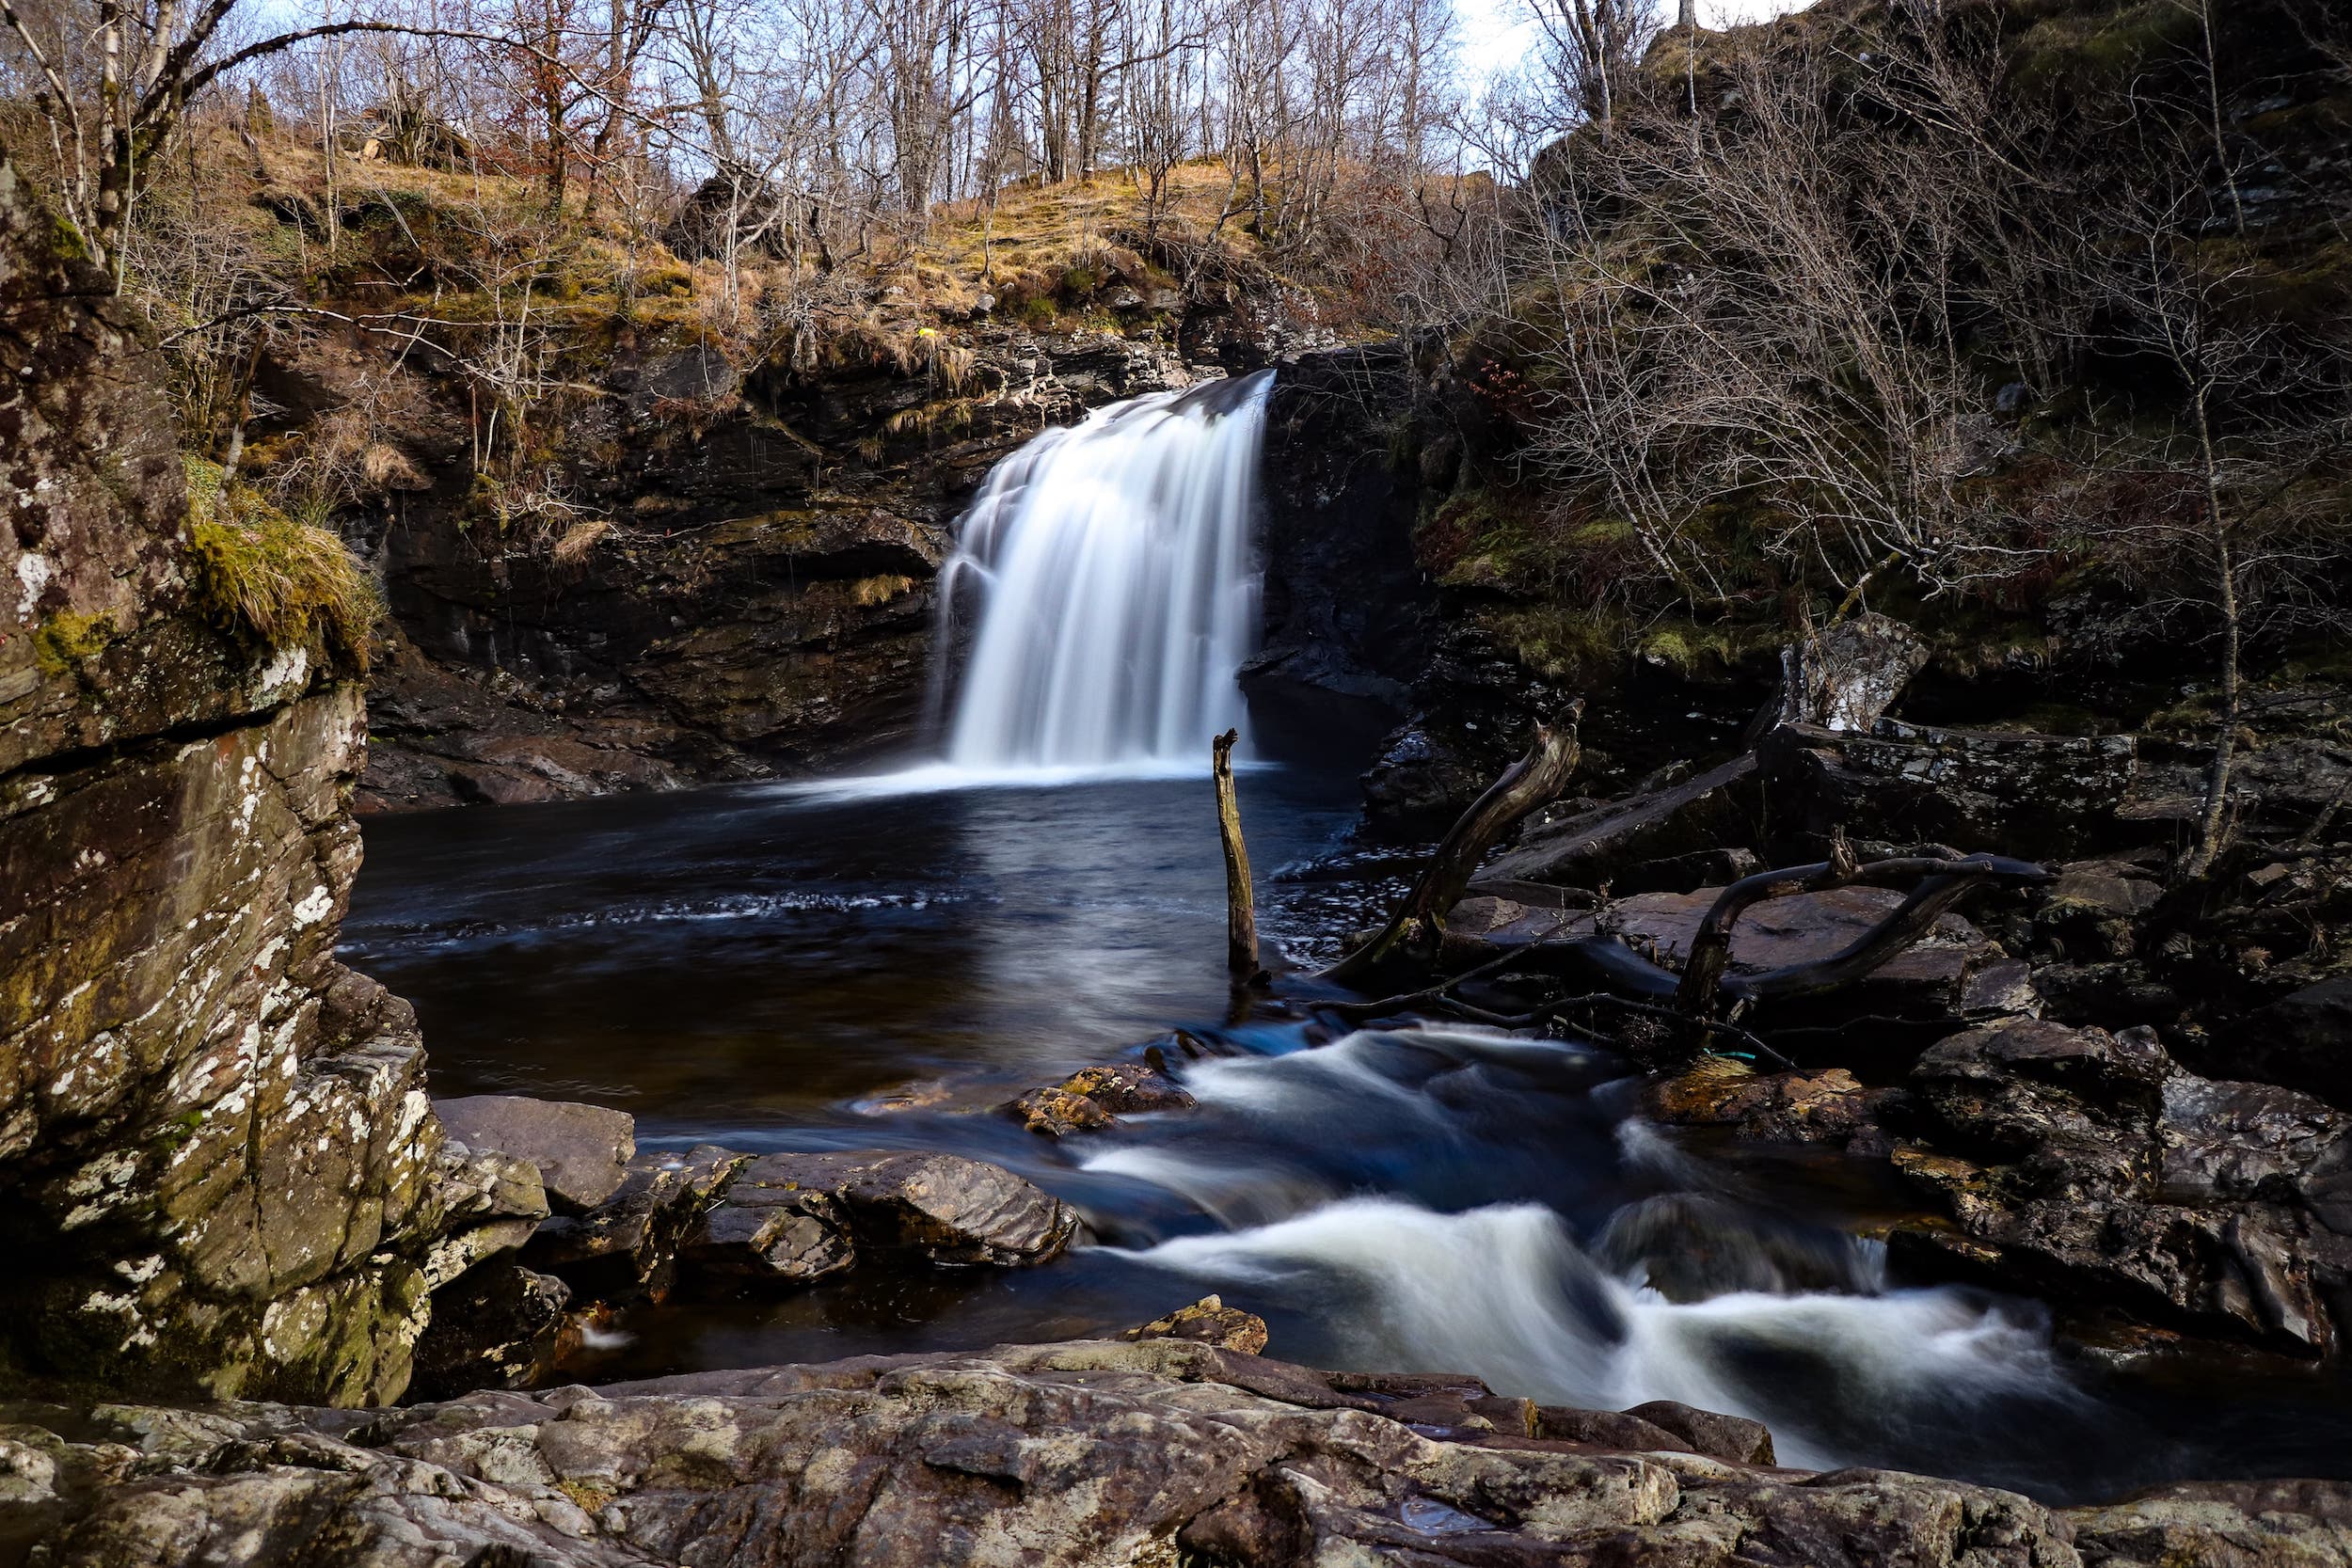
(886, 962)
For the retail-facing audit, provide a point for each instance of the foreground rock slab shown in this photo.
(1088, 1452)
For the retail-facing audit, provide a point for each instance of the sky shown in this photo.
(1498, 34)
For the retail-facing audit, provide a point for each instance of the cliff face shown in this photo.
(756, 593)
(216, 1151)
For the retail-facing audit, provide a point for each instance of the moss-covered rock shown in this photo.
(218, 1165)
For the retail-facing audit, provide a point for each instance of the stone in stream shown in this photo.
(625, 1248)
(944, 1208)
(583, 1152)
(1095, 1098)
(1050, 1456)
(774, 1233)
(1210, 1322)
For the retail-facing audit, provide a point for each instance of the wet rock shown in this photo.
(1606, 1429)
(1074, 1455)
(626, 1247)
(1096, 1097)
(2086, 1168)
(1734, 1440)
(494, 1203)
(583, 1152)
(1210, 1322)
(498, 1327)
(2303, 1040)
(2012, 792)
(772, 1232)
(944, 1208)
(1830, 1106)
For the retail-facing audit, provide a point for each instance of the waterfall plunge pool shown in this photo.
(881, 961)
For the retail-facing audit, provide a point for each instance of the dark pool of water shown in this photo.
(772, 969)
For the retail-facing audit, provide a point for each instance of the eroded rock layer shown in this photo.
(216, 1158)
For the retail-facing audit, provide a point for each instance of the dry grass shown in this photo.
(259, 573)
(579, 540)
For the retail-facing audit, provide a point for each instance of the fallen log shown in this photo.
(1535, 780)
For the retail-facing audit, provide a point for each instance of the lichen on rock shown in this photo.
(218, 1165)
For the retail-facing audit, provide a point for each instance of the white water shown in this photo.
(1505, 1291)
(1108, 572)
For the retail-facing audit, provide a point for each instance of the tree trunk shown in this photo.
(1241, 918)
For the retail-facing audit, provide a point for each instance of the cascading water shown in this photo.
(1107, 573)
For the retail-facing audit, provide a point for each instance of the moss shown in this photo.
(281, 584)
(68, 638)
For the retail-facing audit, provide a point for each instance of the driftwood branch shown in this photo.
(1241, 915)
(1534, 781)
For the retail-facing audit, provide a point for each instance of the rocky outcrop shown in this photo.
(1088, 1452)
(2022, 792)
(219, 1171)
(1096, 1097)
(745, 583)
(2088, 1166)
(942, 1208)
(2089, 1170)
(1347, 605)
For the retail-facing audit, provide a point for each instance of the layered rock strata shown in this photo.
(218, 1170)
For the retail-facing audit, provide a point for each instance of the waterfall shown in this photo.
(1107, 574)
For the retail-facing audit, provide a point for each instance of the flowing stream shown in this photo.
(772, 968)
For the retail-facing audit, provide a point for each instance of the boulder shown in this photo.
(1734, 1440)
(1826, 1107)
(944, 1208)
(2303, 1040)
(1847, 676)
(583, 1152)
(1210, 1322)
(1096, 1097)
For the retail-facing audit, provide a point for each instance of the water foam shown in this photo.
(1504, 1294)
